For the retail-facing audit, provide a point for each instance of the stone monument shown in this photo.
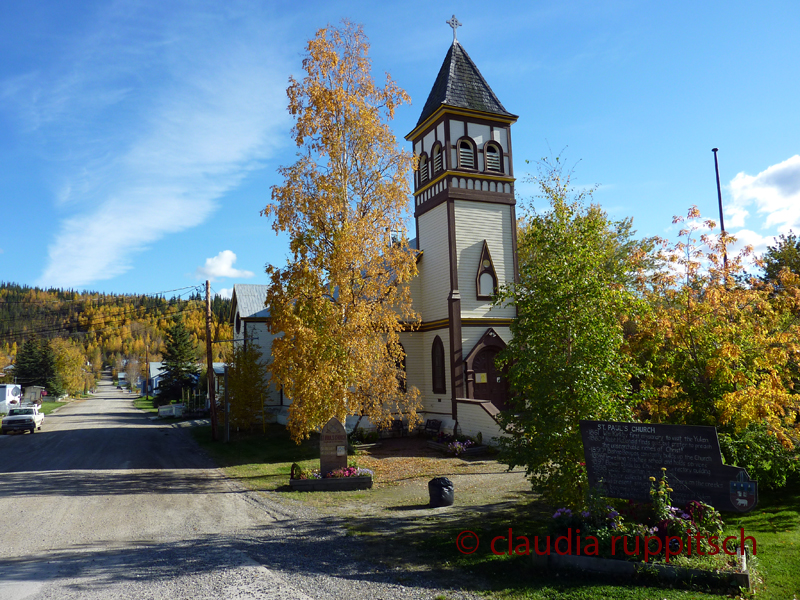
(332, 447)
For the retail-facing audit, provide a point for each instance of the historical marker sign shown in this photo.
(625, 455)
(332, 447)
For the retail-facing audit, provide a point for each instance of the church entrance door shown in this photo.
(490, 382)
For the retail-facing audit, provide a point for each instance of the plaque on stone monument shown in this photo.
(623, 456)
(332, 447)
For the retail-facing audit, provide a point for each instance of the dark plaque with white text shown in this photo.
(623, 456)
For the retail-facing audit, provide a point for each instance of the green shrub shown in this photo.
(761, 454)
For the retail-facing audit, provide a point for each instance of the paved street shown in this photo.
(104, 503)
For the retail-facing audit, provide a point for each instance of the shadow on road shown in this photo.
(104, 483)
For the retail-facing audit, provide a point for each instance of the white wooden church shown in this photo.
(466, 231)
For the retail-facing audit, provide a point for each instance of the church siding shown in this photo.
(476, 222)
(415, 365)
(472, 419)
(435, 264)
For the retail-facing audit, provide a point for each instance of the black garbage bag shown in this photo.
(441, 492)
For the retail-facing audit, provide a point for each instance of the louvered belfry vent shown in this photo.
(492, 158)
(466, 159)
(437, 160)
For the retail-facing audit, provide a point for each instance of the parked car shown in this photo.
(24, 418)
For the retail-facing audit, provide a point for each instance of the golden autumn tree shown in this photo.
(69, 362)
(342, 299)
(718, 347)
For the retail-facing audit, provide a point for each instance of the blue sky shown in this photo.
(140, 138)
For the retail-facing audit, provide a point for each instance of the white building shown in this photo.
(464, 210)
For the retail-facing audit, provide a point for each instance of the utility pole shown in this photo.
(227, 409)
(210, 362)
(719, 199)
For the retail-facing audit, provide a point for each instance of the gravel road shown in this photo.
(105, 503)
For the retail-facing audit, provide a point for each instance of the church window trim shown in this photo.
(493, 158)
(437, 159)
(486, 274)
(437, 367)
(423, 169)
(467, 157)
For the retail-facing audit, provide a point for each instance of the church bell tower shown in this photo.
(466, 229)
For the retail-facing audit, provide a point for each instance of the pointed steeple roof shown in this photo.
(461, 85)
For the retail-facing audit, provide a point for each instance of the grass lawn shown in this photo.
(775, 525)
(261, 461)
(145, 403)
(48, 407)
(405, 535)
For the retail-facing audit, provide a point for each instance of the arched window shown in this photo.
(238, 323)
(437, 366)
(466, 154)
(437, 159)
(486, 284)
(493, 158)
(486, 278)
(423, 169)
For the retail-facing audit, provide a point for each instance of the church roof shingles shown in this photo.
(460, 84)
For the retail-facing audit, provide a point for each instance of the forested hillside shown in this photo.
(87, 330)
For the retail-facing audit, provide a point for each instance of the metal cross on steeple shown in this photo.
(454, 23)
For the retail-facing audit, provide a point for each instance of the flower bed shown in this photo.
(467, 451)
(346, 479)
(737, 579)
(456, 444)
(654, 538)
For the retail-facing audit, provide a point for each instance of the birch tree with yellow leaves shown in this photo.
(721, 348)
(342, 299)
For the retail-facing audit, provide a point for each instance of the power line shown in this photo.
(74, 325)
(92, 296)
(57, 314)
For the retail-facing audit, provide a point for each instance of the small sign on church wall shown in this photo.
(480, 378)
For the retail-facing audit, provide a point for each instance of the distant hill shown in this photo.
(107, 328)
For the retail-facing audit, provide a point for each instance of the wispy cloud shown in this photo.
(774, 194)
(225, 293)
(159, 117)
(220, 266)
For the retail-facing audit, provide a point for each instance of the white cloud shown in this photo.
(225, 293)
(221, 265)
(774, 193)
(177, 121)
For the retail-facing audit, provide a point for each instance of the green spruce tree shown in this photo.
(27, 369)
(179, 363)
(36, 366)
(785, 254)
